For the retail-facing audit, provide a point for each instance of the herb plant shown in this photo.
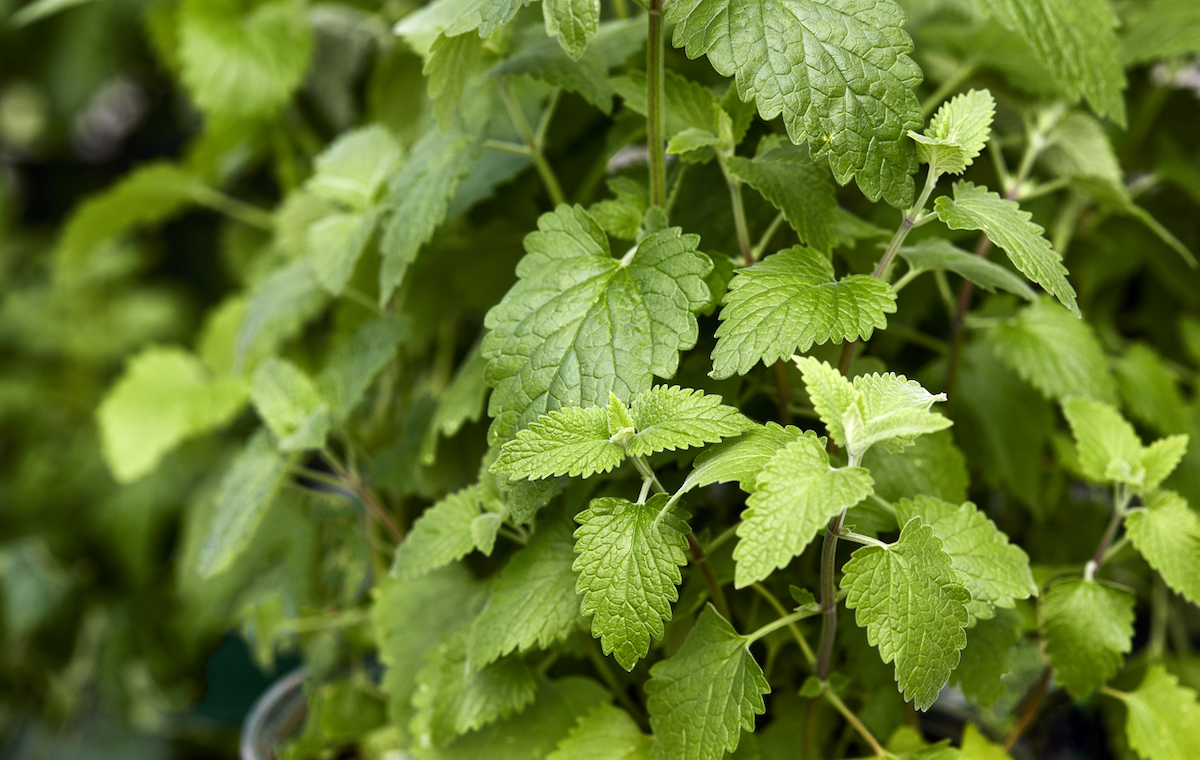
(773, 464)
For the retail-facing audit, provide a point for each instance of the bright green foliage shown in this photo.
(795, 495)
(1003, 221)
(483, 15)
(1150, 390)
(957, 132)
(938, 254)
(914, 607)
(1058, 354)
(242, 58)
(443, 533)
(933, 466)
(890, 410)
(689, 105)
(580, 324)
(1167, 533)
(533, 603)
(985, 659)
(1162, 29)
(355, 167)
(279, 307)
(335, 245)
(998, 573)
(165, 397)
(789, 301)
(1163, 717)
(740, 459)
(1088, 625)
(573, 22)
(840, 75)
(628, 567)
(452, 61)
(669, 417)
(786, 176)
(702, 697)
(572, 441)
(1075, 39)
(605, 733)
(1111, 452)
(354, 362)
(975, 746)
(289, 404)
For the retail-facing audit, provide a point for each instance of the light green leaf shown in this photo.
(40, 9)
(998, 572)
(669, 418)
(1075, 39)
(839, 74)
(1163, 721)
(1003, 221)
(355, 166)
(335, 244)
(416, 201)
(795, 495)
(701, 698)
(741, 458)
(1167, 533)
(1088, 625)
(934, 254)
(933, 465)
(606, 733)
(1150, 390)
(628, 569)
(786, 176)
(975, 746)
(1161, 458)
(914, 607)
(164, 397)
(243, 58)
(482, 15)
(693, 139)
(534, 603)
(441, 535)
(289, 404)
(279, 307)
(451, 62)
(33, 582)
(354, 362)
(1162, 29)
(688, 104)
(985, 659)
(789, 301)
(573, 22)
(1078, 146)
(957, 132)
(580, 324)
(1111, 452)
(246, 491)
(1056, 353)
(572, 441)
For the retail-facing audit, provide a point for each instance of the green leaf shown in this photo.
(1162, 29)
(441, 535)
(914, 607)
(245, 493)
(840, 75)
(580, 324)
(688, 104)
(606, 733)
(975, 746)
(452, 699)
(795, 495)
(985, 659)
(933, 466)
(482, 15)
(741, 458)
(998, 573)
(1150, 390)
(1163, 720)
(573, 22)
(786, 176)
(354, 362)
(451, 62)
(279, 307)
(243, 58)
(693, 139)
(789, 301)
(957, 132)
(416, 201)
(1076, 41)
(1167, 533)
(669, 418)
(335, 244)
(1111, 452)
(572, 441)
(939, 254)
(1078, 146)
(289, 404)
(1003, 221)
(1088, 625)
(628, 569)
(164, 397)
(701, 698)
(534, 603)
(1056, 353)
(462, 402)
(355, 166)
(40, 9)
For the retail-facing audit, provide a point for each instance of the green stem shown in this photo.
(805, 649)
(828, 595)
(1121, 498)
(739, 214)
(621, 9)
(725, 535)
(544, 170)
(714, 589)
(859, 538)
(775, 625)
(765, 240)
(655, 102)
(233, 208)
(853, 720)
(930, 104)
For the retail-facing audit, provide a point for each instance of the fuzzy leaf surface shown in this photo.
(740, 459)
(441, 535)
(290, 405)
(1088, 627)
(1163, 719)
(670, 417)
(573, 22)
(985, 659)
(573, 441)
(1167, 533)
(957, 132)
(606, 733)
(1110, 450)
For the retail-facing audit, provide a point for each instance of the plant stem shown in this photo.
(765, 240)
(725, 535)
(714, 589)
(828, 596)
(1121, 498)
(785, 393)
(739, 213)
(545, 171)
(655, 101)
(1028, 711)
(859, 538)
(775, 625)
(930, 104)
(233, 208)
(853, 720)
(805, 649)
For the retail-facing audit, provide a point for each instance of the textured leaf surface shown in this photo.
(741, 458)
(573, 22)
(786, 176)
(838, 72)
(439, 536)
(1110, 450)
(998, 572)
(483, 16)
(451, 63)
(572, 441)
(606, 733)
(913, 606)
(1055, 352)
(1088, 626)
(789, 301)
(335, 244)
(580, 324)
(936, 254)
(1167, 533)
(353, 169)
(957, 132)
(796, 494)
(933, 465)
(628, 569)
(1003, 221)
(1163, 719)
(985, 659)
(289, 404)
(702, 697)
(670, 417)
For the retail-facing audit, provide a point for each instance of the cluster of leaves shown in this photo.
(518, 343)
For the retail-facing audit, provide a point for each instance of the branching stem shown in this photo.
(805, 649)
(532, 143)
